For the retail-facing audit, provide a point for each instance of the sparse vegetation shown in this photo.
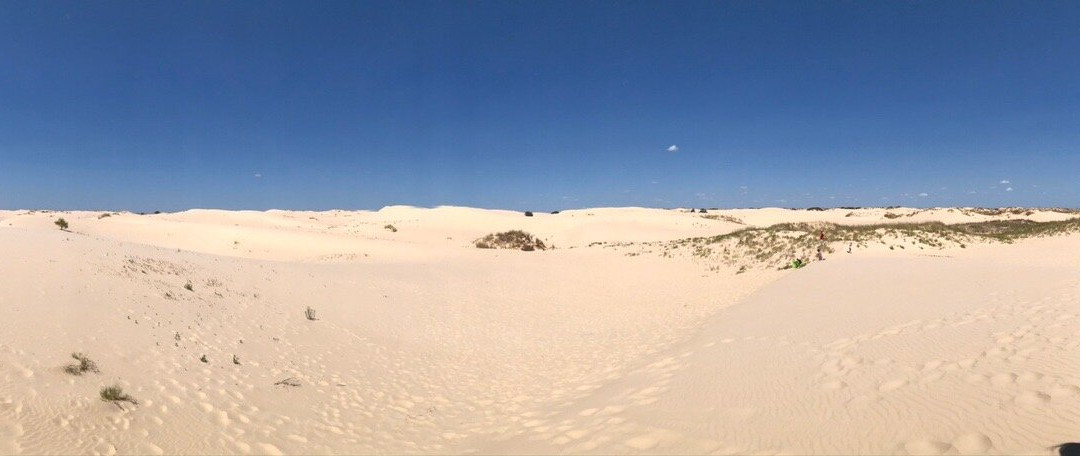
(84, 365)
(104, 215)
(309, 313)
(514, 240)
(236, 360)
(779, 245)
(203, 359)
(390, 228)
(63, 224)
(528, 214)
(116, 395)
(188, 286)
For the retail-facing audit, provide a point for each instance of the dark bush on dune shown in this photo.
(528, 214)
(815, 209)
(514, 240)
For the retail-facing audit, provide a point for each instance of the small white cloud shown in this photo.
(653, 182)
(742, 187)
(258, 175)
(1005, 181)
(1008, 189)
(673, 148)
(972, 192)
(924, 194)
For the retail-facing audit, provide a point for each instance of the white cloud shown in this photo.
(924, 194)
(1005, 181)
(1008, 189)
(653, 182)
(673, 148)
(258, 174)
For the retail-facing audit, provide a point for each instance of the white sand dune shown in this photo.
(425, 344)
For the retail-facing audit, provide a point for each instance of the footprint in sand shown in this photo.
(973, 443)
(926, 447)
(892, 385)
(1032, 398)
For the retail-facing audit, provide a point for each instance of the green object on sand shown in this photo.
(798, 263)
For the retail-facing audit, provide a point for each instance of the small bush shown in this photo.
(188, 286)
(309, 313)
(514, 240)
(84, 365)
(63, 224)
(528, 214)
(390, 228)
(116, 395)
(236, 360)
(702, 211)
(104, 215)
(554, 212)
(203, 359)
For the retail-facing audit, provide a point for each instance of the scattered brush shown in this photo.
(776, 245)
(63, 224)
(309, 313)
(236, 359)
(116, 395)
(390, 228)
(188, 286)
(203, 359)
(104, 215)
(84, 365)
(514, 240)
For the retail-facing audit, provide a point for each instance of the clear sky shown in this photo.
(168, 105)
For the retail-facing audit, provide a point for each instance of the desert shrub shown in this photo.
(514, 240)
(60, 222)
(390, 228)
(84, 365)
(188, 287)
(528, 214)
(815, 209)
(309, 313)
(104, 215)
(116, 395)
(554, 212)
(890, 215)
(702, 211)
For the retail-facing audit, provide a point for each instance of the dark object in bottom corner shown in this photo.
(1068, 449)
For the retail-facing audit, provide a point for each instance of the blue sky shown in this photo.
(538, 105)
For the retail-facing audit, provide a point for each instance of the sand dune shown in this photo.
(423, 343)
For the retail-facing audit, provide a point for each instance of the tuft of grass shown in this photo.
(309, 313)
(63, 224)
(106, 214)
(390, 228)
(188, 286)
(203, 359)
(84, 365)
(116, 395)
(236, 360)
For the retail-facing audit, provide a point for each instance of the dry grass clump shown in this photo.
(84, 365)
(513, 240)
(116, 395)
(309, 313)
(390, 228)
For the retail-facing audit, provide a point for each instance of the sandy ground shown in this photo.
(425, 344)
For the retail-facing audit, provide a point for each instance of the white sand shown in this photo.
(425, 344)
